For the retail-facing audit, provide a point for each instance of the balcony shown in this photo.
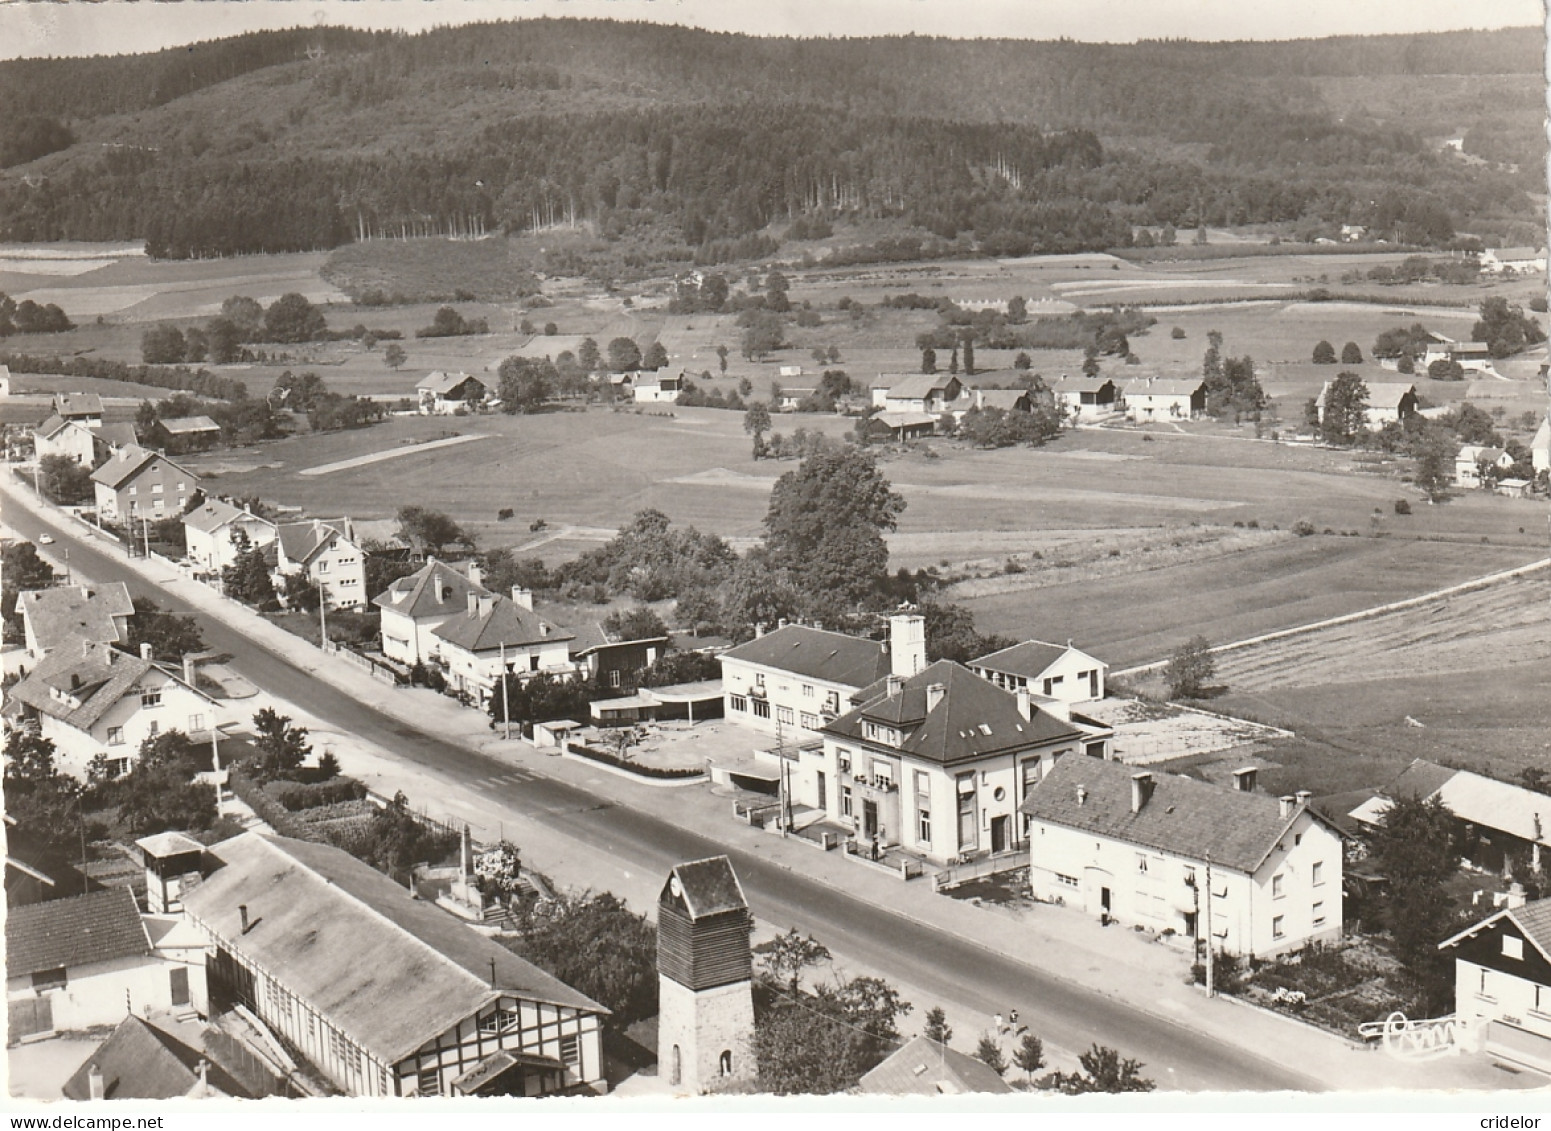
(757, 693)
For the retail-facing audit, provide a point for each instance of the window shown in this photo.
(1033, 770)
(382, 1080)
(1141, 863)
(571, 1051)
(196, 723)
(724, 1062)
(1297, 839)
(180, 487)
(809, 721)
(785, 716)
(500, 1021)
(1319, 914)
(323, 565)
(156, 488)
(1095, 749)
(614, 677)
(50, 980)
(761, 709)
(807, 691)
(1067, 881)
(759, 679)
(1317, 873)
(924, 829)
(923, 783)
(115, 736)
(1481, 984)
(154, 729)
(1190, 877)
(845, 801)
(1276, 927)
(1513, 947)
(151, 697)
(118, 767)
(132, 491)
(738, 703)
(1278, 888)
(429, 1082)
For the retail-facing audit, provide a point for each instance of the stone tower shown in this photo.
(705, 1023)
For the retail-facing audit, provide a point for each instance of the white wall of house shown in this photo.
(340, 569)
(102, 992)
(796, 701)
(74, 441)
(1157, 406)
(476, 672)
(1293, 899)
(158, 491)
(401, 638)
(1074, 678)
(1483, 996)
(214, 550)
(160, 704)
(653, 393)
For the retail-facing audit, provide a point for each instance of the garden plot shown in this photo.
(1148, 731)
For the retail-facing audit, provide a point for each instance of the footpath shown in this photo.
(1060, 941)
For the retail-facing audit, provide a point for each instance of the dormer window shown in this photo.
(151, 697)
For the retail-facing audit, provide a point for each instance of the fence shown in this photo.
(379, 672)
(977, 868)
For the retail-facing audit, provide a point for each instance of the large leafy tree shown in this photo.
(826, 521)
(525, 384)
(1435, 465)
(282, 747)
(160, 793)
(1103, 1070)
(1505, 328)
(430, 529)
(824, 1042)
(21, 570)
(1346, 409)
(63, 481)
(597, 945)
(1416, 847)
(624, 354)
(45, 804)
(1189, 668)
(247, 578)
(170, 635)
(292, 318)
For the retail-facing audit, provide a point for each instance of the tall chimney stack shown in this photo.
(95, 1082)
(934, 695)
(1025, 707)
(145, 651)
(190, 669)
(522, 597)
(907, 645)
(1303, 797)
(1141, 791)
(1287, 805)
(476, 575)
(242, 917)
(473, 601)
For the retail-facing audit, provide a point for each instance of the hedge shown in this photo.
(296, 796)
(633, 767)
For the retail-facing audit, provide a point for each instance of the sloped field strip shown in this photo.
(391, 453)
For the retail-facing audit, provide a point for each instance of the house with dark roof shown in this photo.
(80, 441)
(1502, 983)
(936, 762)
(929, 393)
(1085, 398)
(84, 961)
(441, 394)
(179, 435)
(1052, 671)
(1164, 398)
(71, 614)
(85, 407)
(158, 1057)
(611, 661)
(1259, 875)
(326, 553)
(384, 994)
(138, 483)
(1389, 402)
(493, 630)
(924, 1067)
(214, 530)
(1521, 260)
(794, 679)
(412, 608)
(1476, 465)
(658, 388)
(1008, 400)
(93, 700)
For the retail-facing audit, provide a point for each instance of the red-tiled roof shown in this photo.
(80, 931)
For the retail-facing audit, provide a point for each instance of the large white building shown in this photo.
(1261, 874)
(1056, 672)
(326, 552)
(414, 607)
(210, 532)
(493, 629)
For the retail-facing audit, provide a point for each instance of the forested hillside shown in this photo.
(311, 138)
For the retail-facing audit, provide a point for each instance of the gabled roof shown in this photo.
(91, 682)
(303, 541)
(443, 383)
(141, 1060)
(1381, 394)
(52, 427)
(1185, 817)
(116, 435)
(1030, 659)
(1080, 384)
(709, 887)
(71, 405)
(1542, 440)
(188, 425)
(388, 971)
(80, 931)
(815, 653)
(1533, 919)
(1475, 453)
(918, 386)
(435, 589)
(129, 462)
(924, 1067)
(1507, 253)
(1165, 386)
(213, 514)
(502, 621)
(590, 637)
(1003, 398)
(1475, 798)
(73, 612)
(971, 719)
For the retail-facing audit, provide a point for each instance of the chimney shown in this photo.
(1244, 779)
(75, 681)
(486, 605)
(1025, 708)
(1304, 797)
(242, 917)
(1286, 806)
(95, 1082)
(145, 651)
(781, 623)
(1515, 895)
(1082, 795)
(522, 597)
(895, 685)
(204, 1077)
(759, 630)
(543, 628)
(190, 669)
(476, 575)
(934, 695)
(907, 645)
(473, 603)
(1141, 791)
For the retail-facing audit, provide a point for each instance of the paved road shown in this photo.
(946, 966)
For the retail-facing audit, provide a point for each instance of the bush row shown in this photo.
(633, 767)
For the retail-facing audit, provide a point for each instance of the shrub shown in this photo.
(1402, 506)
(1178, 333)
(1303, 528)
(296, 796)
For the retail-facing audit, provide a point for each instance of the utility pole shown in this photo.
(323, 604)
(506, 699)
(786, 793)
(67, 566)
(1211, 990)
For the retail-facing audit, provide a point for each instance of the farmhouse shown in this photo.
(84, 961)
(1521, 260)
(492, 631)
(442, 394)
(1153, 849)
(924, 1067)
(1502, 982)
(1501, 825)
(797, 677)
(384, 994)
(140, 484)
(327, 553)
(412, 608)
(659, 388)
(1389, 402)
(179, 435)
(790, 400)
(1050, 670)
(72, 439)
(72, 614)
(85, 407)
(930, 393)
(213, 530)
(1476, 465)
(936, 762)
(1163, 398)
(92, 699)
(1084, 398)
(1008, 400)
(906, 425)
(1540, 447)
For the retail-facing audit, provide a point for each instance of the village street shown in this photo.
(1072, 981)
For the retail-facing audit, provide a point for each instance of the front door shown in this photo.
(869, 818)
(178, 977)
(1104, 900)
(999, 837)
(823, 799)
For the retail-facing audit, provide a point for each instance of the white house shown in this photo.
(441, 394)
(210, 531)
(1263, 874)
(936, 763)
(85, 961)
(1165, 398)
(414, 606)
(72, 439)
(69, 614)
(1522, 260)
(931, 393)
(384, 994)
(792, 399)
(1473, 458)
(796, 677)
(658, 388)
(92, 699)
(1502, 982)
(491, 628)
(136, 483)
(1389, 402)
(1049, 670)
(1085, 398)
(327, 552)
(1540, 447)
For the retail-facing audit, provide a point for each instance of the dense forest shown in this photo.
(312, 138)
